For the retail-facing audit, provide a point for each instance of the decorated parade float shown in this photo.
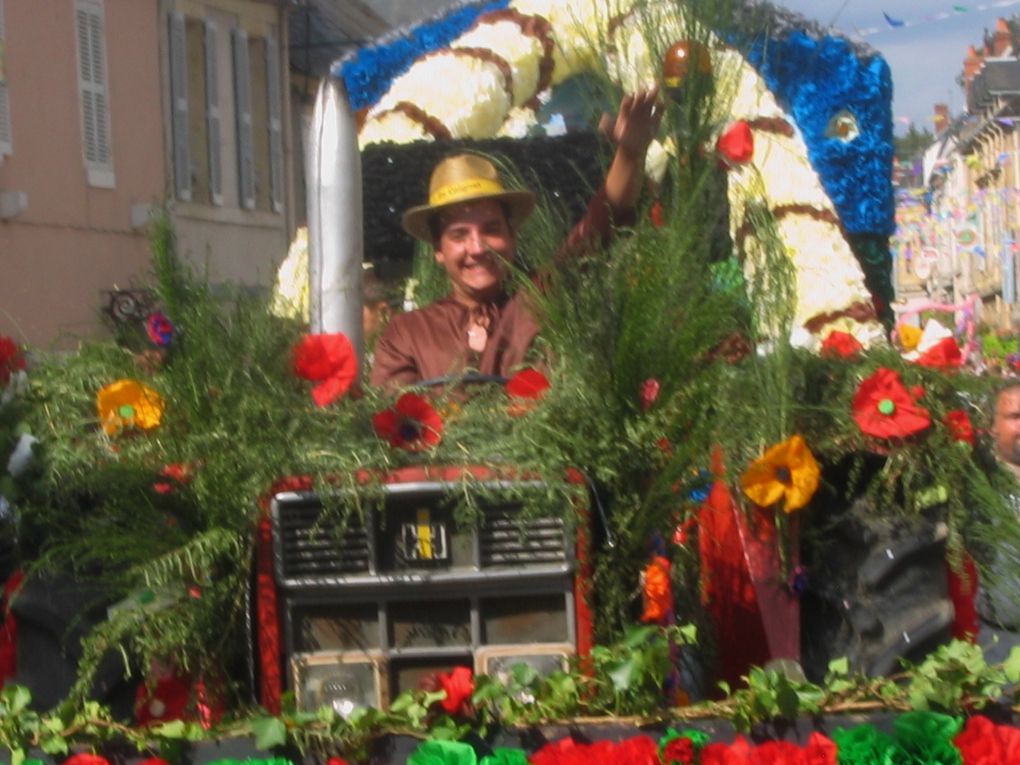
(733, 513)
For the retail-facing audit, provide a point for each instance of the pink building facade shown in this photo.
(88, 149)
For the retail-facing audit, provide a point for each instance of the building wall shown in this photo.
(75, 238)
(217, 232)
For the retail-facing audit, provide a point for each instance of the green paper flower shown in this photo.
(928, 737)
(443, 753)
(504, 756)
(865, 745)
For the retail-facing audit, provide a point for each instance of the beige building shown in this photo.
(109, 108)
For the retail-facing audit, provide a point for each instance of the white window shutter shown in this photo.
(6, 144)
(179, 105)
(212, 114)
(275, 123)
(242, 110)
(95, 107)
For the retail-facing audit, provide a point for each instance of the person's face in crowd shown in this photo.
(1006, 427)
(475, 243)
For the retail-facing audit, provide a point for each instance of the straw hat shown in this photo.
(465, 178)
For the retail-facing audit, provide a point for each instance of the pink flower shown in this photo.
(649, 393)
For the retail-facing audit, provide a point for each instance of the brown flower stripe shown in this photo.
(430, 124)
(531, 26)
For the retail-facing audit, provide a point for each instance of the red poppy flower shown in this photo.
(960, 426)
(736, 145)
(841, 345)
(154, 761)
(884, 408)
(410, 424)
(159, 329)
(528, 383)
(459, 685)
(945, 354)
(650, 389)
(657, 591)
(328, 360)
(525, 388)
(11, 359)
(337, 761)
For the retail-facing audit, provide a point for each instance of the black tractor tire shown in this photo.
(876, 590)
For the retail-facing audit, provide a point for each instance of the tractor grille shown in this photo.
(507, 541)
(311, 544)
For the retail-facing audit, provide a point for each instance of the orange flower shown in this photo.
(128, 404)
(657, 591)
(787, 471)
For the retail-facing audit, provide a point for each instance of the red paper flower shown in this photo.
(410, 424)
(11, 359)
(637, 750)
(679, 751)
(737, 753)
(945, 354)
(561, 752)
(328, 360)
(178, 473)
(337, 761)
(83, 758)
(159, 329)
(657, 214)
(650, 389)
(982, 742)
(960, 426)
(841, 345)
(883, 408)
(736, 145)
(657, 591)
(459, 685)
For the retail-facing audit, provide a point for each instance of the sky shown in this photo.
(925, 55)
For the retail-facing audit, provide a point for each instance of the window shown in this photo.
(95, 110)
(5, 109)
(275, 122)
(243, 119)
(179, 106)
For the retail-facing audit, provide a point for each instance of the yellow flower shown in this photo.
(128, 404)
(909, 336)
(787, 471)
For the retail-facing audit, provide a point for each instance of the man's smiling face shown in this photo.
(474, 245)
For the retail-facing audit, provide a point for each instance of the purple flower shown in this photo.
(159, 329)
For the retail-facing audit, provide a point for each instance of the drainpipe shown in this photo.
(335, 236)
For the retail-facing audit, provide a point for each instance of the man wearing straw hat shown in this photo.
(471, 222)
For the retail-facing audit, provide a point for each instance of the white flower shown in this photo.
(291, 292)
